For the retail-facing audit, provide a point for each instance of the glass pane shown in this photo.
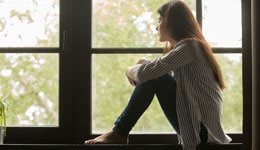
(31, 82)
(127, 23)
(111, 92)
(221, 22)
(29, 23)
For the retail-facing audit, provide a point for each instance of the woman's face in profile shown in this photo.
(162, 30)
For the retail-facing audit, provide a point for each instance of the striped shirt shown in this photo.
(198, 95)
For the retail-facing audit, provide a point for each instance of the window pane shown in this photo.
(29, 23)
(111, 92)
(31, 82)
(221, 22)
(127, 23)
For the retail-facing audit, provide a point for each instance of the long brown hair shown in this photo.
(181, 24)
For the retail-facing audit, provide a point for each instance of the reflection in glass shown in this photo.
(111, 91)
(127, 23)
(221, 22)
(31, 82)
(29, 23)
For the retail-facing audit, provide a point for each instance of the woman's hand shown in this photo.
(131, 81)
(129, 75)
(142, 60)
(129, 70)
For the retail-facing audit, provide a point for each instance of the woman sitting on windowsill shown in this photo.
(187, 81)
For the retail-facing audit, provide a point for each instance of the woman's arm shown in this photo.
(183, 54)
(129, 70)
(129, 75)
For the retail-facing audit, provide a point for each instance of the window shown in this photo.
(54, 57)
(31, 67)
(30, 80)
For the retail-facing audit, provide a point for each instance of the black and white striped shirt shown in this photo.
(198, 95)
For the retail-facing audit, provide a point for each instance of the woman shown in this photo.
(187, 81)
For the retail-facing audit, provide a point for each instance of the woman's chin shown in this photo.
(162, 40)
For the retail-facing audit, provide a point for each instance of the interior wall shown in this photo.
(256, 74)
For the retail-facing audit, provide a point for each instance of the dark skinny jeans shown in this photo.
(164, 88)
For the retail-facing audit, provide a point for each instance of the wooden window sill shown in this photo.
(232, 146)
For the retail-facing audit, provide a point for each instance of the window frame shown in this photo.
(51, 134)
(75, 80)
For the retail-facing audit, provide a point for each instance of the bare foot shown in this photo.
(108, 138)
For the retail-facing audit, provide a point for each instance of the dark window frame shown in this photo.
(75, 80)
(51, 134)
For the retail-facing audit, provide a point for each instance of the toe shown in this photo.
(88, 141)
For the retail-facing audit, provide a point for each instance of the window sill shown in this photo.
(232, 146)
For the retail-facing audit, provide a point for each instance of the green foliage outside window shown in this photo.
(31, 83)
